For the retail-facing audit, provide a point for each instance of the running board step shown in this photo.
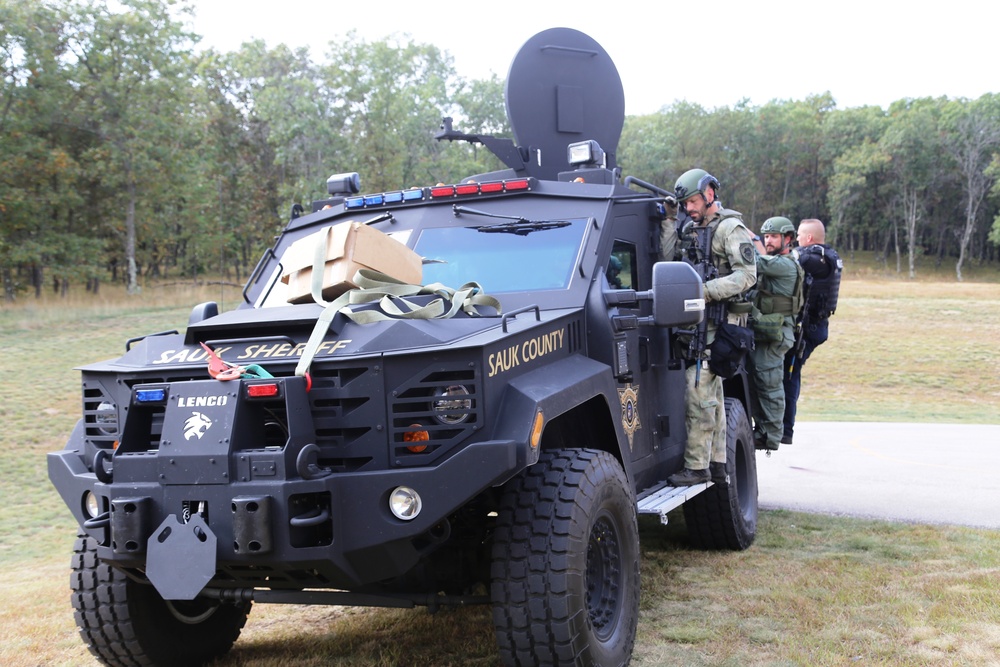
(661, 499)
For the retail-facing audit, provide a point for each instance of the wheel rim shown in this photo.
(604, 577)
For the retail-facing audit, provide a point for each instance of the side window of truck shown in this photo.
(621, 266)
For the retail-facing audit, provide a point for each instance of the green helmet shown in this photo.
(693, 182)
(777, 225)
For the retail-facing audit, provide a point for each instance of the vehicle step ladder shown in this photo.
(662, 498)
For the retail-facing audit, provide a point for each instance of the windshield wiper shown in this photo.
(380, 218)
(518, 224)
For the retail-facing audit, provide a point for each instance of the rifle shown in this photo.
(801, 324)
(799, 346)
(699, 255)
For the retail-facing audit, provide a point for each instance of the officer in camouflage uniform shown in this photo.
(777, 303)
(733, 255)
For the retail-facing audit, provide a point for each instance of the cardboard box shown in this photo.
(349, 246)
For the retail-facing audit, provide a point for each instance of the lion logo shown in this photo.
(196, 425)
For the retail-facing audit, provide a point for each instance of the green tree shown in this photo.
(973, 141)
(41, 224)
(392, 93)
(852, 186)
(132, 68)
(849, 145)
(913, 142)
(477, 108)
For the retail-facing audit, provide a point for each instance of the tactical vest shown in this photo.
(822, 293)
(686, 242)
(720, 260)
(769, 302)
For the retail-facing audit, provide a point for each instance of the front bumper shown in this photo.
(333, 532)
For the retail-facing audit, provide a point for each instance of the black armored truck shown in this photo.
(444, 395)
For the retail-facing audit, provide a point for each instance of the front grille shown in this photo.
(100, 415)
(347, 411)
(432, 412)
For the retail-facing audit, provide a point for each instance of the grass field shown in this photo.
(813, 590)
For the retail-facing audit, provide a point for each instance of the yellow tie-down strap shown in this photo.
(391, 295)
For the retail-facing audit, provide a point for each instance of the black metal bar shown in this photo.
(342, 598)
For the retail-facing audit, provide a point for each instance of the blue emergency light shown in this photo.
(150, 395)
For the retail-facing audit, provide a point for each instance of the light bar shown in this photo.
(443, 191)
(440, 191)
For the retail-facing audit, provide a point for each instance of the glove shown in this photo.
(670, 206)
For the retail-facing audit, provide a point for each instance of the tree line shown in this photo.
(129, 153)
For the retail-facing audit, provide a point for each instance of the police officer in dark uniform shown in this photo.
(823, 268)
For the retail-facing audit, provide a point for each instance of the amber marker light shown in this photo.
(416, 434)
(536, 430)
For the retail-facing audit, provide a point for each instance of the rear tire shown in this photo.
(565, 572)
(725, 517)
(126, 623)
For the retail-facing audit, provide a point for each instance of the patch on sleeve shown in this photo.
(747, 253)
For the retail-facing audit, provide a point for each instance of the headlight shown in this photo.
(452, 405)
(106, 418)
(91, 504)
(405, 503)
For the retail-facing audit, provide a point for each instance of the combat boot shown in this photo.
(760, 441)
(688, 477)
(719, 474)
(786, 439)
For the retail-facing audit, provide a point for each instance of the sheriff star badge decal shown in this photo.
(629, 397)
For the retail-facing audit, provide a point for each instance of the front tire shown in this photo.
(565, 564)
(125, 622)
(725, 517)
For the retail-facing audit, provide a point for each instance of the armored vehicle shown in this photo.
(488, 437)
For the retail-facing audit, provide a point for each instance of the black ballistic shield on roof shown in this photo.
(563, 87)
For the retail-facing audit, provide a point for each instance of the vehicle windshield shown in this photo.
(543, 259)
(511, 257)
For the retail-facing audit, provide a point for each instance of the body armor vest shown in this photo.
(769, 300)
(822, 292)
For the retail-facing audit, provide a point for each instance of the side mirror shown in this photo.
(202, 312)
(678, 295)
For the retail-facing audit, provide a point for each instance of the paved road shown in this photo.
(924, 473)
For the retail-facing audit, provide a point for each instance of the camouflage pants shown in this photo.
(767, 373)
(705, 418)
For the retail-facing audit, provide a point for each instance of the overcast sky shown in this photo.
(713, 53)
